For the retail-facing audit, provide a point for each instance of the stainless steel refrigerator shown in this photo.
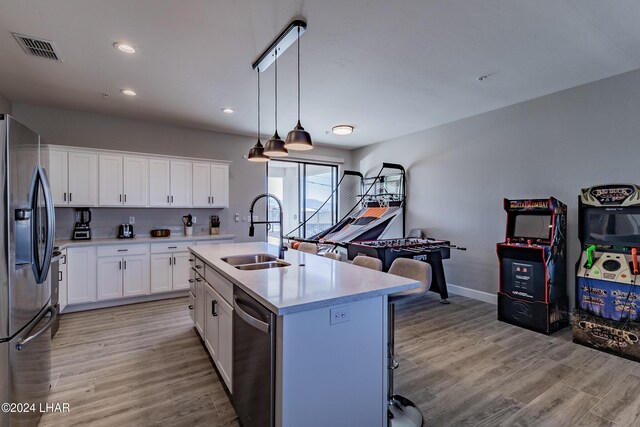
(26, 246)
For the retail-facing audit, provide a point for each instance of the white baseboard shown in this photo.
(472, 293)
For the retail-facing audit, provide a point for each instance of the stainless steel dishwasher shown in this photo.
(253, 361)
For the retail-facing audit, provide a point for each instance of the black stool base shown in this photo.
(403, 413)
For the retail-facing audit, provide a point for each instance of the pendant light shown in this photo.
(299, 139)
(275, 146)
(256, 154)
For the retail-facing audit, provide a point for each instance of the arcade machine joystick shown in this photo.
(533, 290)
(607, 293)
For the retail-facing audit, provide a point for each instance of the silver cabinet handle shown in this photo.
(173, 247)
(171, 199)
(125, 265)
(170, 261)
(191, 259)
(198, 279)
(123, 250)
(119, 265)
(70, 196)
(64, 196)
(120, 198)
(256, 323)
(198, 266)
(190, 307)
(25, 342)
(167, 199)
(125, 198)
(174, 260)
(191, 280)
(213, 308)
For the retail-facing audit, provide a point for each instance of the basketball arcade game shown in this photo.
(607, 293)
(533, 290)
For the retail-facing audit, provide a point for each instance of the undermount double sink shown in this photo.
(255, 262)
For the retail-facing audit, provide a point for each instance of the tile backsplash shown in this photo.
(105, 221)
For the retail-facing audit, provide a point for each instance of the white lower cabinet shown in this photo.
(170, 267)
(213, 320)
(81, 275)
(123, 276)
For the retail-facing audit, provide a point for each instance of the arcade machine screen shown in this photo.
(533, 227)
(613, 228)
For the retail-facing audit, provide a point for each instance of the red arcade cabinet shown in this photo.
(533, 270)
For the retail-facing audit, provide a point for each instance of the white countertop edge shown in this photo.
(294, 308)
(62, 244)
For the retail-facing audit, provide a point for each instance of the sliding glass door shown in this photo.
(306, 191)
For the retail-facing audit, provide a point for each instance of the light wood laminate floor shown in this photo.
(143, 365)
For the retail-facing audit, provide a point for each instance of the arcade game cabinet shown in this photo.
(533, 270)
(607, 293)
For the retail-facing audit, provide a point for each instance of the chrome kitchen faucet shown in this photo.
(252, 228)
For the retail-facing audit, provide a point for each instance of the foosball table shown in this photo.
(431, 251)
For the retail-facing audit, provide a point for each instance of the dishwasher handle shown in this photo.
(256, 323)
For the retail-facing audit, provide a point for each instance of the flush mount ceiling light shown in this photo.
(128, 92)
(227, 110)
(275, 146)
(298, 138)
(124, 47)
(342, 130)
(256, 153)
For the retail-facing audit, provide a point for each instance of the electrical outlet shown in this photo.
(193, 219)
(132, 220)
(237, 217)
(340, 314)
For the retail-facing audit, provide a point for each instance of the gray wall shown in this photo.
(550, 146)
(5, 105)
(81, 129)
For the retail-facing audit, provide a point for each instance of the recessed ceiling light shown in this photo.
(128, 92)
(227, 110)
(342, 130)
(124, 47)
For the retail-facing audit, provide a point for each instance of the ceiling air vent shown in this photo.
(38, 47)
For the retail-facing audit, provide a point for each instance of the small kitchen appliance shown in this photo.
(82, 230)
(125, 231)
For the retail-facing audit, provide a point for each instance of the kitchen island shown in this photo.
(330, 337)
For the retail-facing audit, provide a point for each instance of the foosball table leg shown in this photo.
(438, 281)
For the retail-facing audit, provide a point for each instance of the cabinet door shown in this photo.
(159, 182)
(181, 184)
(62, 282)
(201, 182)
(135, 275)
(181, 270)
(225, 342)
(109, 278)
(161, 273)
(57, 172)
(136, 181)
(83, 179)
(219, 186)
(81, 275)
(110, 180)
(200, 304)
(211, 321)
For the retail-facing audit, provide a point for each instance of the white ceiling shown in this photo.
(389, 68)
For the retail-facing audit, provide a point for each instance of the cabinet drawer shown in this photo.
(161, 248)
(219, 283)
(197, 265)
(123, 250)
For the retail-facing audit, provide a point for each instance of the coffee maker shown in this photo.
(82, 230)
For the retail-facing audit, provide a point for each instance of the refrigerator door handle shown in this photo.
(31, 338)
(43, 181)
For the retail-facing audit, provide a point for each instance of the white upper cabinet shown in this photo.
(159, 182)
(210, 185)
(110, 178)
(219, 186)
(201, 185)
(86, 177)
(181, 184)
(83, 179)
(123, 180)
(136, 181)
(58, 174)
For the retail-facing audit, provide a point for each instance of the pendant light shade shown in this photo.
(256, 154)
(299, 139)
(275, 146)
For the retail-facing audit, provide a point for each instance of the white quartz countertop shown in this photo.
(310, 282)
(141, 239)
